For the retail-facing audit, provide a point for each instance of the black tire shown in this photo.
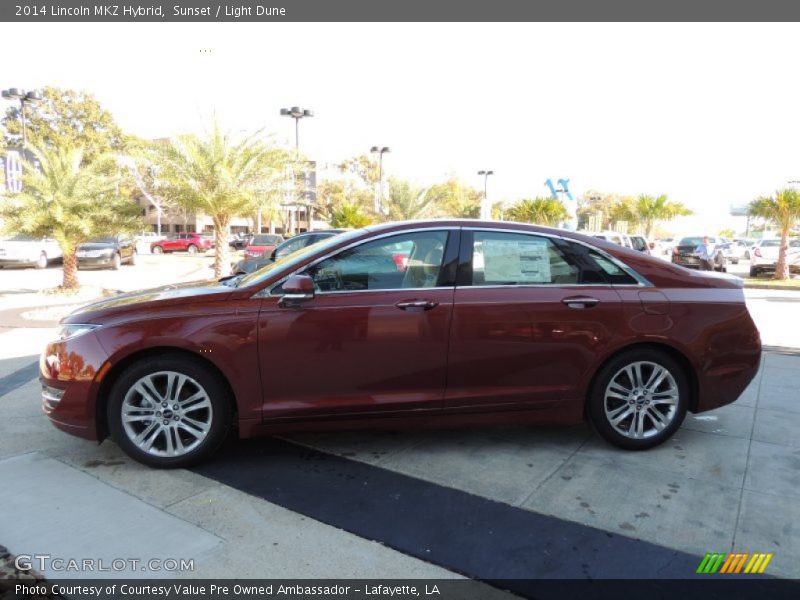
(753, 272)
(132, 260)
(158, 250)
(192, 249)
(116, 261)
(219, 414)
(596, 402)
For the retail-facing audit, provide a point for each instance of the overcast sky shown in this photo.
(706, 113)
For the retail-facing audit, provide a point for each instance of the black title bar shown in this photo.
(398, 10)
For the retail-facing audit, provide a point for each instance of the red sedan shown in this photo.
(484, 322)
(262, 244)
(183, 242)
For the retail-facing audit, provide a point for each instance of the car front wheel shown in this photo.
(116, 261)
(169, 412)
(639, 399)
(158, 250)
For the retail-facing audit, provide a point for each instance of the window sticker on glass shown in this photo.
(516, 261)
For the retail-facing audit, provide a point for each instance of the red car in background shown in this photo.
(261, 243)
(451, 322)
(183, 242)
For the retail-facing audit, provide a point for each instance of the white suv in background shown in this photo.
(620, 239)
(27, 251)
(764, 256)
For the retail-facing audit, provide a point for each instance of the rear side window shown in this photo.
(611, 271)
(500, 258)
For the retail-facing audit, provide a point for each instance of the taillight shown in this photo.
(757, 252)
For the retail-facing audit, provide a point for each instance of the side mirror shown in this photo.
(297, 289)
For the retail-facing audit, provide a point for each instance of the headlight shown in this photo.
(72, 330)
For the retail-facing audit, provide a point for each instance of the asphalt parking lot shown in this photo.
(490, 503)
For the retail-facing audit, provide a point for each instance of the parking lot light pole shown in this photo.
(296, 113)
(380, 151)
(23, 97)
(486, 209)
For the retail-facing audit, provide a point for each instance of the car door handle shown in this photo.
(417, 305)
(580, 302)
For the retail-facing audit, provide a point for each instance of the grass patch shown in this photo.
(769, 282)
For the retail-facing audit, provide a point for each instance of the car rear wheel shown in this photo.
(41, 262)
(132, 261)
(753, 272)
(639, 399)
(192, 249)
(169, 412)
(158, 250)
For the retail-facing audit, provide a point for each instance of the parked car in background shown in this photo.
(734, 251)
(261, 243)
(764, 256)
(621, 239)
(182, 242)
(27, 251)
(664, 246)
(239, 241)
(293, 244)
(640, 243)
(549, 327)
(109, 252)
(683, 253)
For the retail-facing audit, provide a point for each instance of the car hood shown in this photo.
(142, 301)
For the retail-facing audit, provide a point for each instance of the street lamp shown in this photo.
(380, 151)
(23, 97)
(296, 113)
(486, 209)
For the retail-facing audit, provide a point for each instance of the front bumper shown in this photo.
(70, 372)
(96, 261)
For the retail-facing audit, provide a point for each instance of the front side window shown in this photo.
(410, 260)
(500, 258)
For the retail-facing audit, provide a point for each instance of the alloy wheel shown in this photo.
(167, 414)
(641, 400)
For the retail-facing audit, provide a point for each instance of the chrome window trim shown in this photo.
(642, 281)
(267, 291)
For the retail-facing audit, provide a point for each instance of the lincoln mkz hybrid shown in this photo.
(401, 325)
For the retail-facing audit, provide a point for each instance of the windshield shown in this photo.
(294, 258)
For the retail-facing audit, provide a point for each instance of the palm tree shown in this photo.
(349, 215)
(71, 202)
(648, 210)
(408, 202)
(784, 211)
(542, 211)
(217, 176)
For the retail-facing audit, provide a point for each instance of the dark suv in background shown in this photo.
(109, 252)
(683, 252)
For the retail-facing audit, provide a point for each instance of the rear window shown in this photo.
(691, 241)
(266, 240)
